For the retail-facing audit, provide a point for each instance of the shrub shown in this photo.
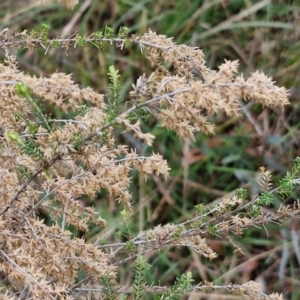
(49, 165)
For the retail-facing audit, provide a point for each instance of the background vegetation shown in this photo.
(262, 35)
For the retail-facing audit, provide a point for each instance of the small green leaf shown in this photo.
(13, 136)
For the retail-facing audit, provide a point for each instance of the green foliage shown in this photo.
(28, 146)
(126, 230)
(13, 136)
(78, 140)
(140, 270)
(254, 210)
(212, 229)
(201, 209)
(124, 32)
(108, 32)
(32, 127)
(103, 241)
(31, 148)
(140, 114)
(130, 246)
(44, 30)
(114, 93)
(288, 183)
(266, 198)
(98, 35)
(55, 44)
(178, 232)
(242, 193)
(109, 286)
(182, 285)
(41, 33)
(24, 91)
(80, 40)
